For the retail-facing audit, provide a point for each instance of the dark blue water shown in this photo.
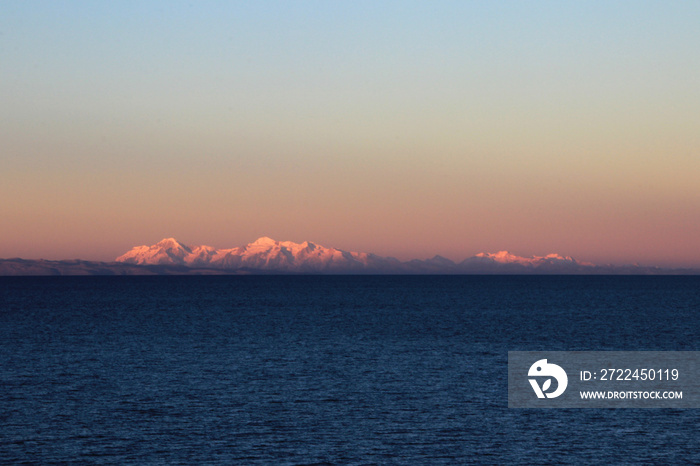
(305, 370)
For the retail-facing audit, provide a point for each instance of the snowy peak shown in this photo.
(263, 254)
(268, 255)
(506, 258)
(263, 241)
(503, 257)
(166, 251)
(169, 242)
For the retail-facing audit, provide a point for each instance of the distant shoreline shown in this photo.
(27, 267)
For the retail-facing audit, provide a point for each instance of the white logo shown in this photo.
(542, 369)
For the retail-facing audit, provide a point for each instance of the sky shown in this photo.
(403, 128)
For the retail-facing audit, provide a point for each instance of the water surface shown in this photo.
(331, 369)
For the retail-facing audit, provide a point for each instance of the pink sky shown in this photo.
(447, 129)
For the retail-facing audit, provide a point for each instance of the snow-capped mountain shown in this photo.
(269, 255)
(168, 251)
(504, 257)
(263, 254)
(504, 261)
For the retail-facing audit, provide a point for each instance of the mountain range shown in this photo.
(265, 256)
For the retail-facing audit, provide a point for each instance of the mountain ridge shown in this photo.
(268, 256)
(262, 254)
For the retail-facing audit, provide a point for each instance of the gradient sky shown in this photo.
(401, 128)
